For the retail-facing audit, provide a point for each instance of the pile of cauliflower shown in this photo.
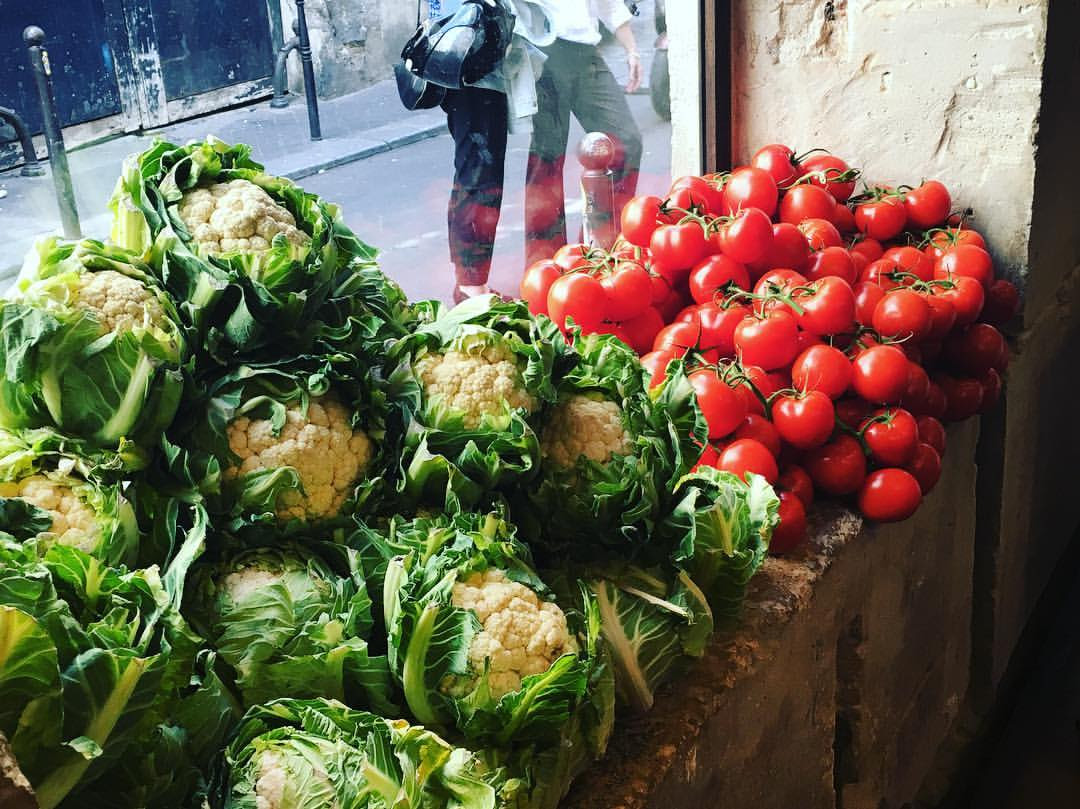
(479, 381)
(580, 426)
(328, 454)
(236, 216)
(74, 523)
(522, 634)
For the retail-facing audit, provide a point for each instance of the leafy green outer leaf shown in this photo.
(337, 756)
(429, 640)
(277, 304)
(61, 371)
(591, 507)
(298, 629)
(719, 532)
(443, 462)
(28, 666)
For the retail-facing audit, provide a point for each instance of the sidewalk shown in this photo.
(354, 127)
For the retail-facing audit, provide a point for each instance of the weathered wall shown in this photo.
(354, 43)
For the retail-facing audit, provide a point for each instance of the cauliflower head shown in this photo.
(328, 454)
(74, 522)
(522, 634)
(286, 778)
(478, 380)
(580, 426)
(236, 216)
(120, 303)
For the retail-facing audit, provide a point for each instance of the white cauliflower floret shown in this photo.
(476, 383)
(278, 785)
(74, 523)
(242, 584)
(236, 216)
(522, 634)
(118, 302)
(581, 426)
(271, 783)
(322, 446)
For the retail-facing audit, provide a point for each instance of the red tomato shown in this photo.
(820, 233)
(795, 479)
(804, 420)
(889, 495)
(762, 430)
(642, 330)
(991, 387)
(966, 260)
(867, 297)
(718, 325)
(578, 296)
(807, 202)
(844, 219)
(833, 262)
(917, 388)
(695, 192)
(925, 467)
(678, 337)
(942, 317)
(967, 297)
(678, 247)
(932, 432)
(661, 287)
(779, 161)
(671, 305)
(911, 260)
(789, 249)
(879, 374)
(881, 219)
(715, 273)
(805, 340)
(853, 411)
(709, 457)
(942, 240)
(572, 257)
(764, 385)
(976, 349)
(790, 530)
(829, 308)
(747, 237)
(871, 248)
(837, 468)
(746, 455)
(628, 289)
(891, 435)
(1002, 303)
(928, 205)
(902, 314)
(768, 340)
(723, 408)
(963, 396)
(831, 169)
(782, 278)
(936, 402)
(750, 187)
(640, 217)
(536, 282)
(822, 368)
(656, 363)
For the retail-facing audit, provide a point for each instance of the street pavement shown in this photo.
(390, 170)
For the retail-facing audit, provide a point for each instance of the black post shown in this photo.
(34, 38)
(281, 65)
(309, 74)
(31, 166)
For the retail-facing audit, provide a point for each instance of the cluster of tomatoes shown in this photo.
(828, 335)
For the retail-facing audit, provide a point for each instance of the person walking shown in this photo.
(576, 81)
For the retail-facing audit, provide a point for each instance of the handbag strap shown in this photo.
(418, 4)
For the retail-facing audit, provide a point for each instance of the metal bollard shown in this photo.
(34, 38)
(309, 73)
(31, 166)
(595, 153)
(281, 91)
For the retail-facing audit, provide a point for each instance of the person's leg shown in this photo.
(545, 214)
(599, 104)
(477, 119)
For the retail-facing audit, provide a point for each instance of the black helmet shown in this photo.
(463, 47)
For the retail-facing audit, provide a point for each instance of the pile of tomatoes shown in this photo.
(829, 335)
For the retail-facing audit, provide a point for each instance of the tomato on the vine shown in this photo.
(709, 457)
(714, 273)
(579, 296)
(804, 420)
(746, 455)
(828, 306)
(822, 368)
(844, 219)
(790, 530)
(756, 426)
(629, 290)
(966, 296)
(932, 432)
(879, 374)
(746, 237)
(789, 249)
(642, 330)
(891, 435)
(757, 386)
(573, 257)
(831, 169)
(837, 468)
(656, 363)
(639, 218)
(963, 396)
(779, 161)
(820, 233)
(966, 260)
(718, 323)
(536, 282)
(882, 218)
(806, 201)
(833, 262)
(911, 260)
(797, 480)
(870, 248)
(678, 247)
(723, 408)
(942, 317)
(902, 313)
(695, 192)
(767, 340)
(750, 187)
(928, 205)
(889, 495)
(867, 297)
(925, 467)
(679, 337)
(976, 349)
(943, 239)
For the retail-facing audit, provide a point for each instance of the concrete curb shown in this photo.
(364, 152)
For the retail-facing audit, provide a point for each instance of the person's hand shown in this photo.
(633, 61)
